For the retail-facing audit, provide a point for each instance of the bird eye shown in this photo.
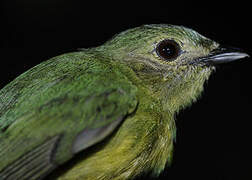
(168, 50)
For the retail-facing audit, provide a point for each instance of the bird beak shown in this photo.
(223, 55)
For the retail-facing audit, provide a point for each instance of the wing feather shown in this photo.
(70, 96)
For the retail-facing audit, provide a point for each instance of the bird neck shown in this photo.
(175, 89)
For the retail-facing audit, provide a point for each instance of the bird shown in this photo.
(106, 112)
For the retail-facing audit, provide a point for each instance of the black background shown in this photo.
(214, 135)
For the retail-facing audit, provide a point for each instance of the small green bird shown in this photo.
(113, 105)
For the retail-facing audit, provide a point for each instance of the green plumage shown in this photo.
(121, 94)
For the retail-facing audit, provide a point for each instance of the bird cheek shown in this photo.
(172, 63)
(138, 66)
(183, 68)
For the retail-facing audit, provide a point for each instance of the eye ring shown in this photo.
(168, 50)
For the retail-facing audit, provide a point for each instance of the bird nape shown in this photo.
(107, 110)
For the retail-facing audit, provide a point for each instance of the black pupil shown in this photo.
(168, 50)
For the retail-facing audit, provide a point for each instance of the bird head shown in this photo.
(172, 61)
